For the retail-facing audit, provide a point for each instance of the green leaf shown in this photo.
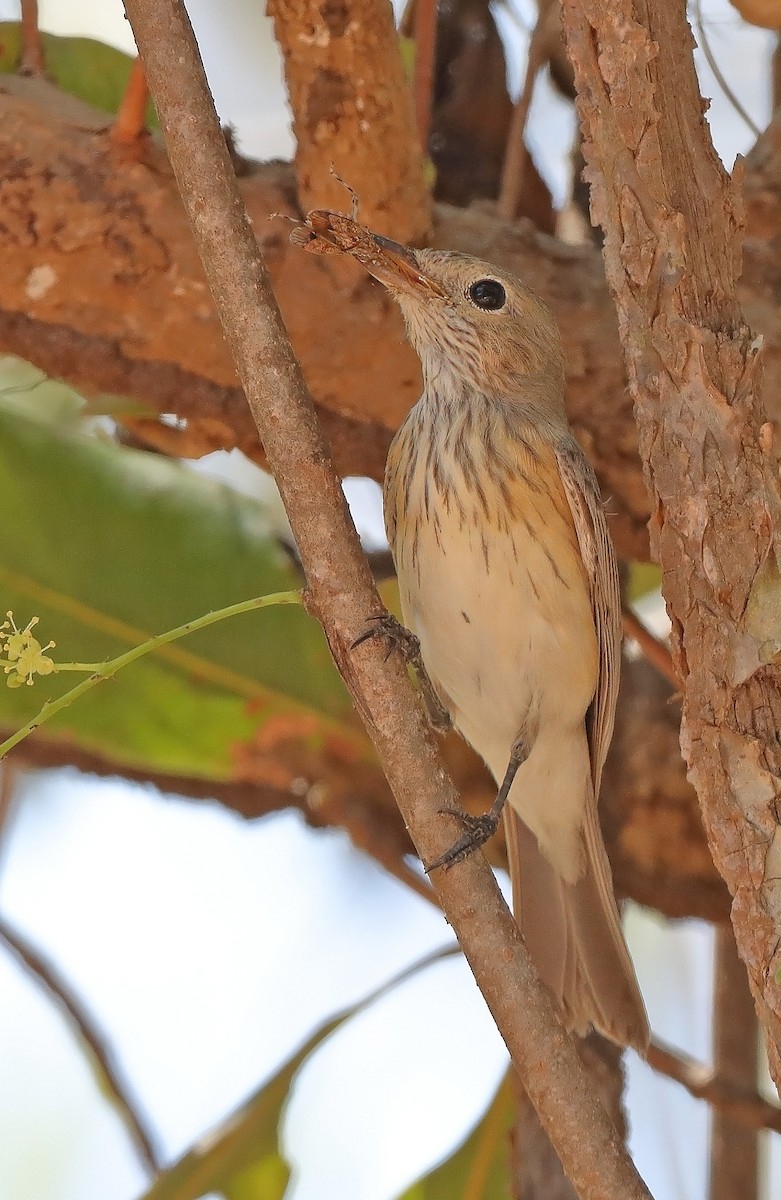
(480, 1169)
(240, 1159)
(243, 1152)
(643, 578)
(81, 66)
(109, 546)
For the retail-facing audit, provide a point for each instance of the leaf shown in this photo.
(108, 546)
(643, 578)
(81, 66)
(480, 1168)
(242, 1152)
(240, 1159)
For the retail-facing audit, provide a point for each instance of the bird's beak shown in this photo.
(397, 267)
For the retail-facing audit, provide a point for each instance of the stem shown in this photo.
(130, 121)
(425, 62)
(655, 651)
(109, 669)
(32, 45)
(46, 976)
(516, 154)
(734, 1150)
(342, 594)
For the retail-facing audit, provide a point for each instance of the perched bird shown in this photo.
(508, 580)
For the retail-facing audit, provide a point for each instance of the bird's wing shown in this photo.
(599, 559)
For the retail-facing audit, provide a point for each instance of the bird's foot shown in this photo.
(398, 637)
(477, 831)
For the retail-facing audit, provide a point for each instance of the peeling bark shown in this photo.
(672, 220)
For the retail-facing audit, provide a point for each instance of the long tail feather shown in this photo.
(573, 934)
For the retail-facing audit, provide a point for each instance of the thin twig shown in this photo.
(130, 122)
(48, 977)
(33, 62)
(100, 672)
(425, 63)
(516, 154)
(342, 594)
(656, 652)
(742, 1104)
(734, 1147)
(716, 69)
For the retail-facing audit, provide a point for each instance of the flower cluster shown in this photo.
(25, 655)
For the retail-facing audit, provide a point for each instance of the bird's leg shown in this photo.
(478, 830)
(400, 638)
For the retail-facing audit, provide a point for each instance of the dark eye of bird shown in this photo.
(488, 294)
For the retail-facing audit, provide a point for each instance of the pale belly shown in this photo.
(509, 642)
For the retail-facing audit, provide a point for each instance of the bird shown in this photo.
(509, 589)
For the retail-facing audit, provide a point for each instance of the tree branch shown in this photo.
(46, 975)
(343, 595)
(672, 220)
(121, 305)
(656, 652)
(739, 1103)
(352, 108)
(734, 1150)
(130, 122)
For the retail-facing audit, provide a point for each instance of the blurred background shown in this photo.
(209, 947)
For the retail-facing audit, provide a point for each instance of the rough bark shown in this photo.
(101, 286)
(672, 221)
(352, 107)
(342, 592)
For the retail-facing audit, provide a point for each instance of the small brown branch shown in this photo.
(705, 46)
(130, 122)
(516, 156)
(734, 1149)
(48, 977)
(741, 1104)
(33, 62)
(425, 60)
(657, 653)
(342, 593)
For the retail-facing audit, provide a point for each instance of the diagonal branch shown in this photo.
(673, 221)
(739, 1102)
(342, 594)
(47, 976)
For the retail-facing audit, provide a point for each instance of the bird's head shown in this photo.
(477, 329)
(471, 321)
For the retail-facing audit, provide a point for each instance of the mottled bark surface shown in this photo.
(672, 219)
(352, 107)
(101, 286)
(537, 1173)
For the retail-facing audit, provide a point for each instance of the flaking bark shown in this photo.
(673, 221)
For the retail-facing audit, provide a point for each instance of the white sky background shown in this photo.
(209, 948)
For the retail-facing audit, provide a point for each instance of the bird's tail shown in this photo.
(573, 935)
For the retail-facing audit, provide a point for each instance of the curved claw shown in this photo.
(477, 831)
(398, 637)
